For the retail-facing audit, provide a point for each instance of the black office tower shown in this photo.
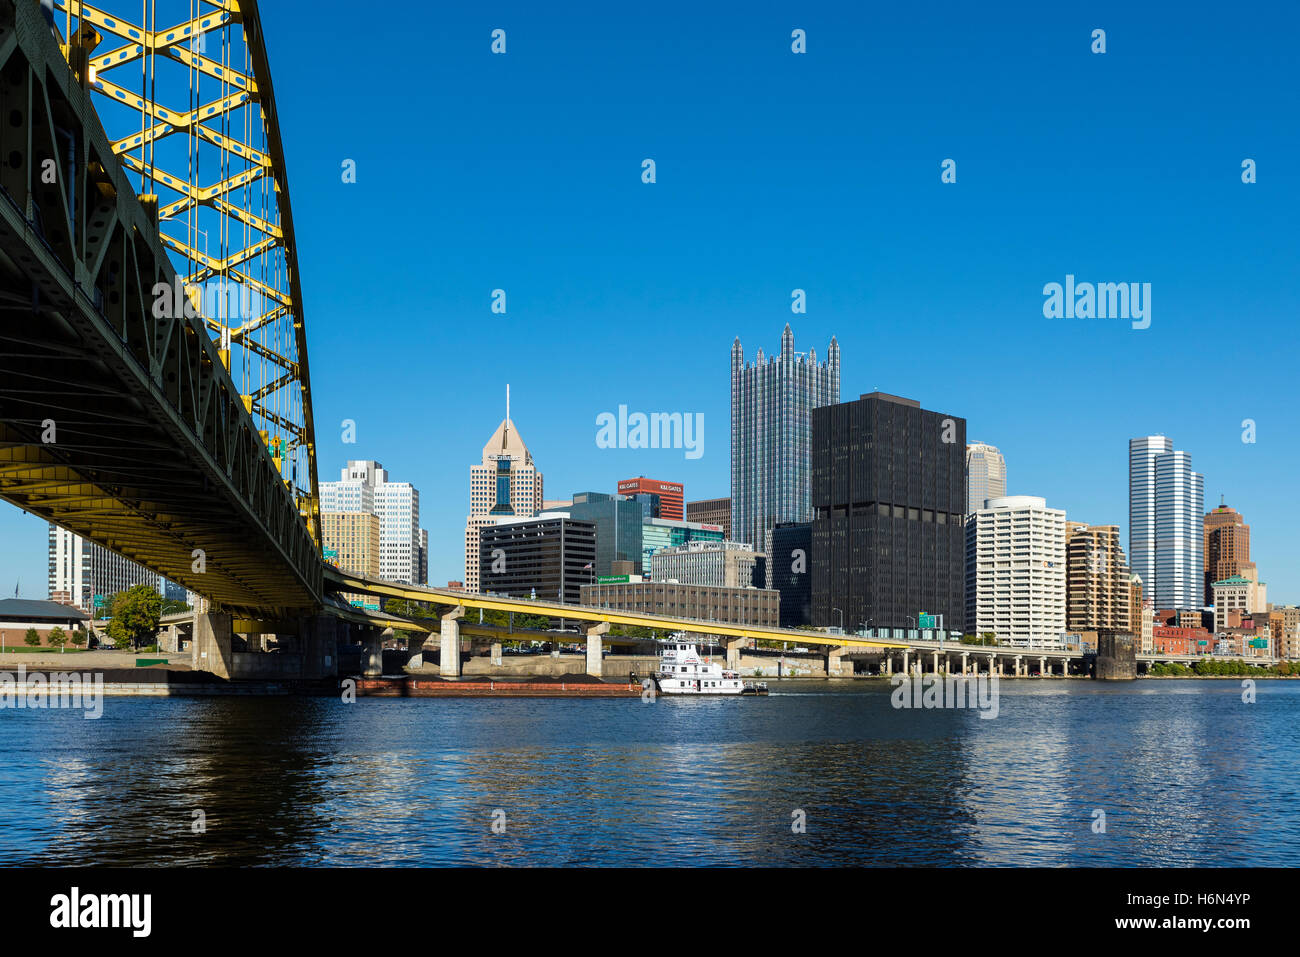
(888, 494)
(548, 558)
(791, 563)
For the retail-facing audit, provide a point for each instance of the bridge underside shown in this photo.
(118, 424)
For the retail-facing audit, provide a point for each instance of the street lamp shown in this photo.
(841, 611)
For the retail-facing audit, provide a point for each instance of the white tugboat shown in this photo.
(683, 671)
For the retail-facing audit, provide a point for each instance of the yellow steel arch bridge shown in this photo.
(155, 394)
(154, 387)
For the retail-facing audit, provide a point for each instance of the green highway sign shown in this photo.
(611, 579)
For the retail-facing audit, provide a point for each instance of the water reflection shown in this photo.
(1184, 771)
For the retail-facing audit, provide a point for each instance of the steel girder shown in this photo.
(185, 92)
(116, 422)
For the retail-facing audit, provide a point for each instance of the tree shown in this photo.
(633, 631)
(79, 637)
(135, 616)
(56, 637)
(406, 608)
(32, 638)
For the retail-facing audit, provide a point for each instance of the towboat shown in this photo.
(683, 671)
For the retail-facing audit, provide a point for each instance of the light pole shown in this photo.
(841, 611)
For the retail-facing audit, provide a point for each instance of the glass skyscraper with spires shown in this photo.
(771, 434)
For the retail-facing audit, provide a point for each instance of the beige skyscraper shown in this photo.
(351, 542)
(505, 485)
(986, 475)
(1098, 591)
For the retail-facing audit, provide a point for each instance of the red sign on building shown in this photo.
(671, 495)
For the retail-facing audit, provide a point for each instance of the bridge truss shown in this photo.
(184, 93)
(176, 431)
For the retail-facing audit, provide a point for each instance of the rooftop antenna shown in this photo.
(505, 428)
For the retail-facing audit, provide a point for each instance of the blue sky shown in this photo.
(778, 171)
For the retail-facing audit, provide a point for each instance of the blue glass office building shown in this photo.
(771, 434)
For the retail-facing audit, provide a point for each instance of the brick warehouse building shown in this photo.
(736, 606)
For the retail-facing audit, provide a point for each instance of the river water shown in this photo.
(1154, 772)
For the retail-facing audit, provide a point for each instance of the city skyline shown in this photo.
(933, 290)
(1285, 585)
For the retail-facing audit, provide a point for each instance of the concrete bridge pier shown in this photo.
(1042, 666)
(889, 664)
(733, 652)
(372, 657)
(595, 659)
(907, 670)
(935, 658)
(1017, 665)
(211, 648)
(318, 639)
(993, 659)
(449, 654)
(415, 646)
(495, 653)
(835, 662)
(964, 656)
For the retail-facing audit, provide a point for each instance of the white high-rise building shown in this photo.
(364, 486)
(355, 491)
(80, 571)
(1015, 571)
(1166, 543)
(504, 486)
(986, 475)
(398, 506)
